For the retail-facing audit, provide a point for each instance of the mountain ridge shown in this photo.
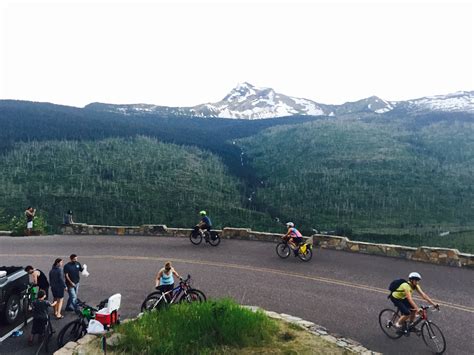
(246, 101)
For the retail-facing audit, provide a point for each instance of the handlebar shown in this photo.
(185, 281)
(85, 305)
(423, 308)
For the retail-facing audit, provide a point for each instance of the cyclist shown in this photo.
(204, 223)
(164, 279)
(295, 238)
(402, 298)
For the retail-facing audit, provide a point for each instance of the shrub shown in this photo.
(196, 328)
(18, 225)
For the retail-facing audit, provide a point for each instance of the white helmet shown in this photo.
(414, 275)
(290, 224)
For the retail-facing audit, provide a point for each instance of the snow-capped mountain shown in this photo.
(370, 104)
(246, 101)
(461, 101)
(251, 102)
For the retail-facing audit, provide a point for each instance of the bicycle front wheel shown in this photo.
(155, 301)
(387, 319)
(283, 250)
(433, 337)
(72, 331)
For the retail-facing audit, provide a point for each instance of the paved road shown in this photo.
(342, 291)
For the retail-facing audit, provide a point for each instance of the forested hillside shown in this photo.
(129, 181)
(366, 175)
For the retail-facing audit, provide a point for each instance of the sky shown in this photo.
(184, 53)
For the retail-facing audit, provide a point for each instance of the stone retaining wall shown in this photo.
(440, 256)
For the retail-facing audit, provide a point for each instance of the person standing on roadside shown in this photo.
(38, 279)
(30, 215)
(72, 271)
(58, 286)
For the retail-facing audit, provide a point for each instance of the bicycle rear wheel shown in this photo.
(190, 297)
(195, 237)
(283, 250)
(72, 331)
(433, 337)
(306, 255)
(202, 296)
(387, 319)
(214, 239)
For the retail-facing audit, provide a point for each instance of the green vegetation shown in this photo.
(196, 328)
(367, 176)
(122, 182)
(216, 327)
(392, 177)
(17, 224)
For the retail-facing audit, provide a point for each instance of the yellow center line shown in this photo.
(253, 269)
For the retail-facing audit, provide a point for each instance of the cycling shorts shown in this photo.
(403, 305)
(297, 240)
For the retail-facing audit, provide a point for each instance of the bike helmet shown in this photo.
(414, 276)
(290, 224)
(202, 213)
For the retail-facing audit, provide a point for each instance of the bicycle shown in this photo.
(47, 335)
(432, 335)
(305, 250)
(76, 329)
(181, 293)
(212, 237)
(27, 298)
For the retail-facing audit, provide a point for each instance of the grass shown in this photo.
(216, 327)
(196, 328)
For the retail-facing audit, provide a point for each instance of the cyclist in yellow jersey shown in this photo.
(402, 298)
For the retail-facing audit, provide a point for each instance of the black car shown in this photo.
(14, 281)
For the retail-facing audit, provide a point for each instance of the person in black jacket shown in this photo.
(39, 279)
(58, 286)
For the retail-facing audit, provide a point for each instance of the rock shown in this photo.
(86, 339)
(70, 345)
(305, 323)
(63, 351)
(114, 340)
(273, 315)
(341, 343)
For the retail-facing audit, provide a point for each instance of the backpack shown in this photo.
(394, 285)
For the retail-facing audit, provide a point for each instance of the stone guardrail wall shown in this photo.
(440, 256)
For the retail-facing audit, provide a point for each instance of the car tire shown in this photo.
(12, 309)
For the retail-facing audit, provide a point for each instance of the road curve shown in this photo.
(342, 291)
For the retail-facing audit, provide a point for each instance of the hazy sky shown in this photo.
(183, 53)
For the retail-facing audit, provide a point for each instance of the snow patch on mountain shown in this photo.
(246, 101)
(458, 101)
